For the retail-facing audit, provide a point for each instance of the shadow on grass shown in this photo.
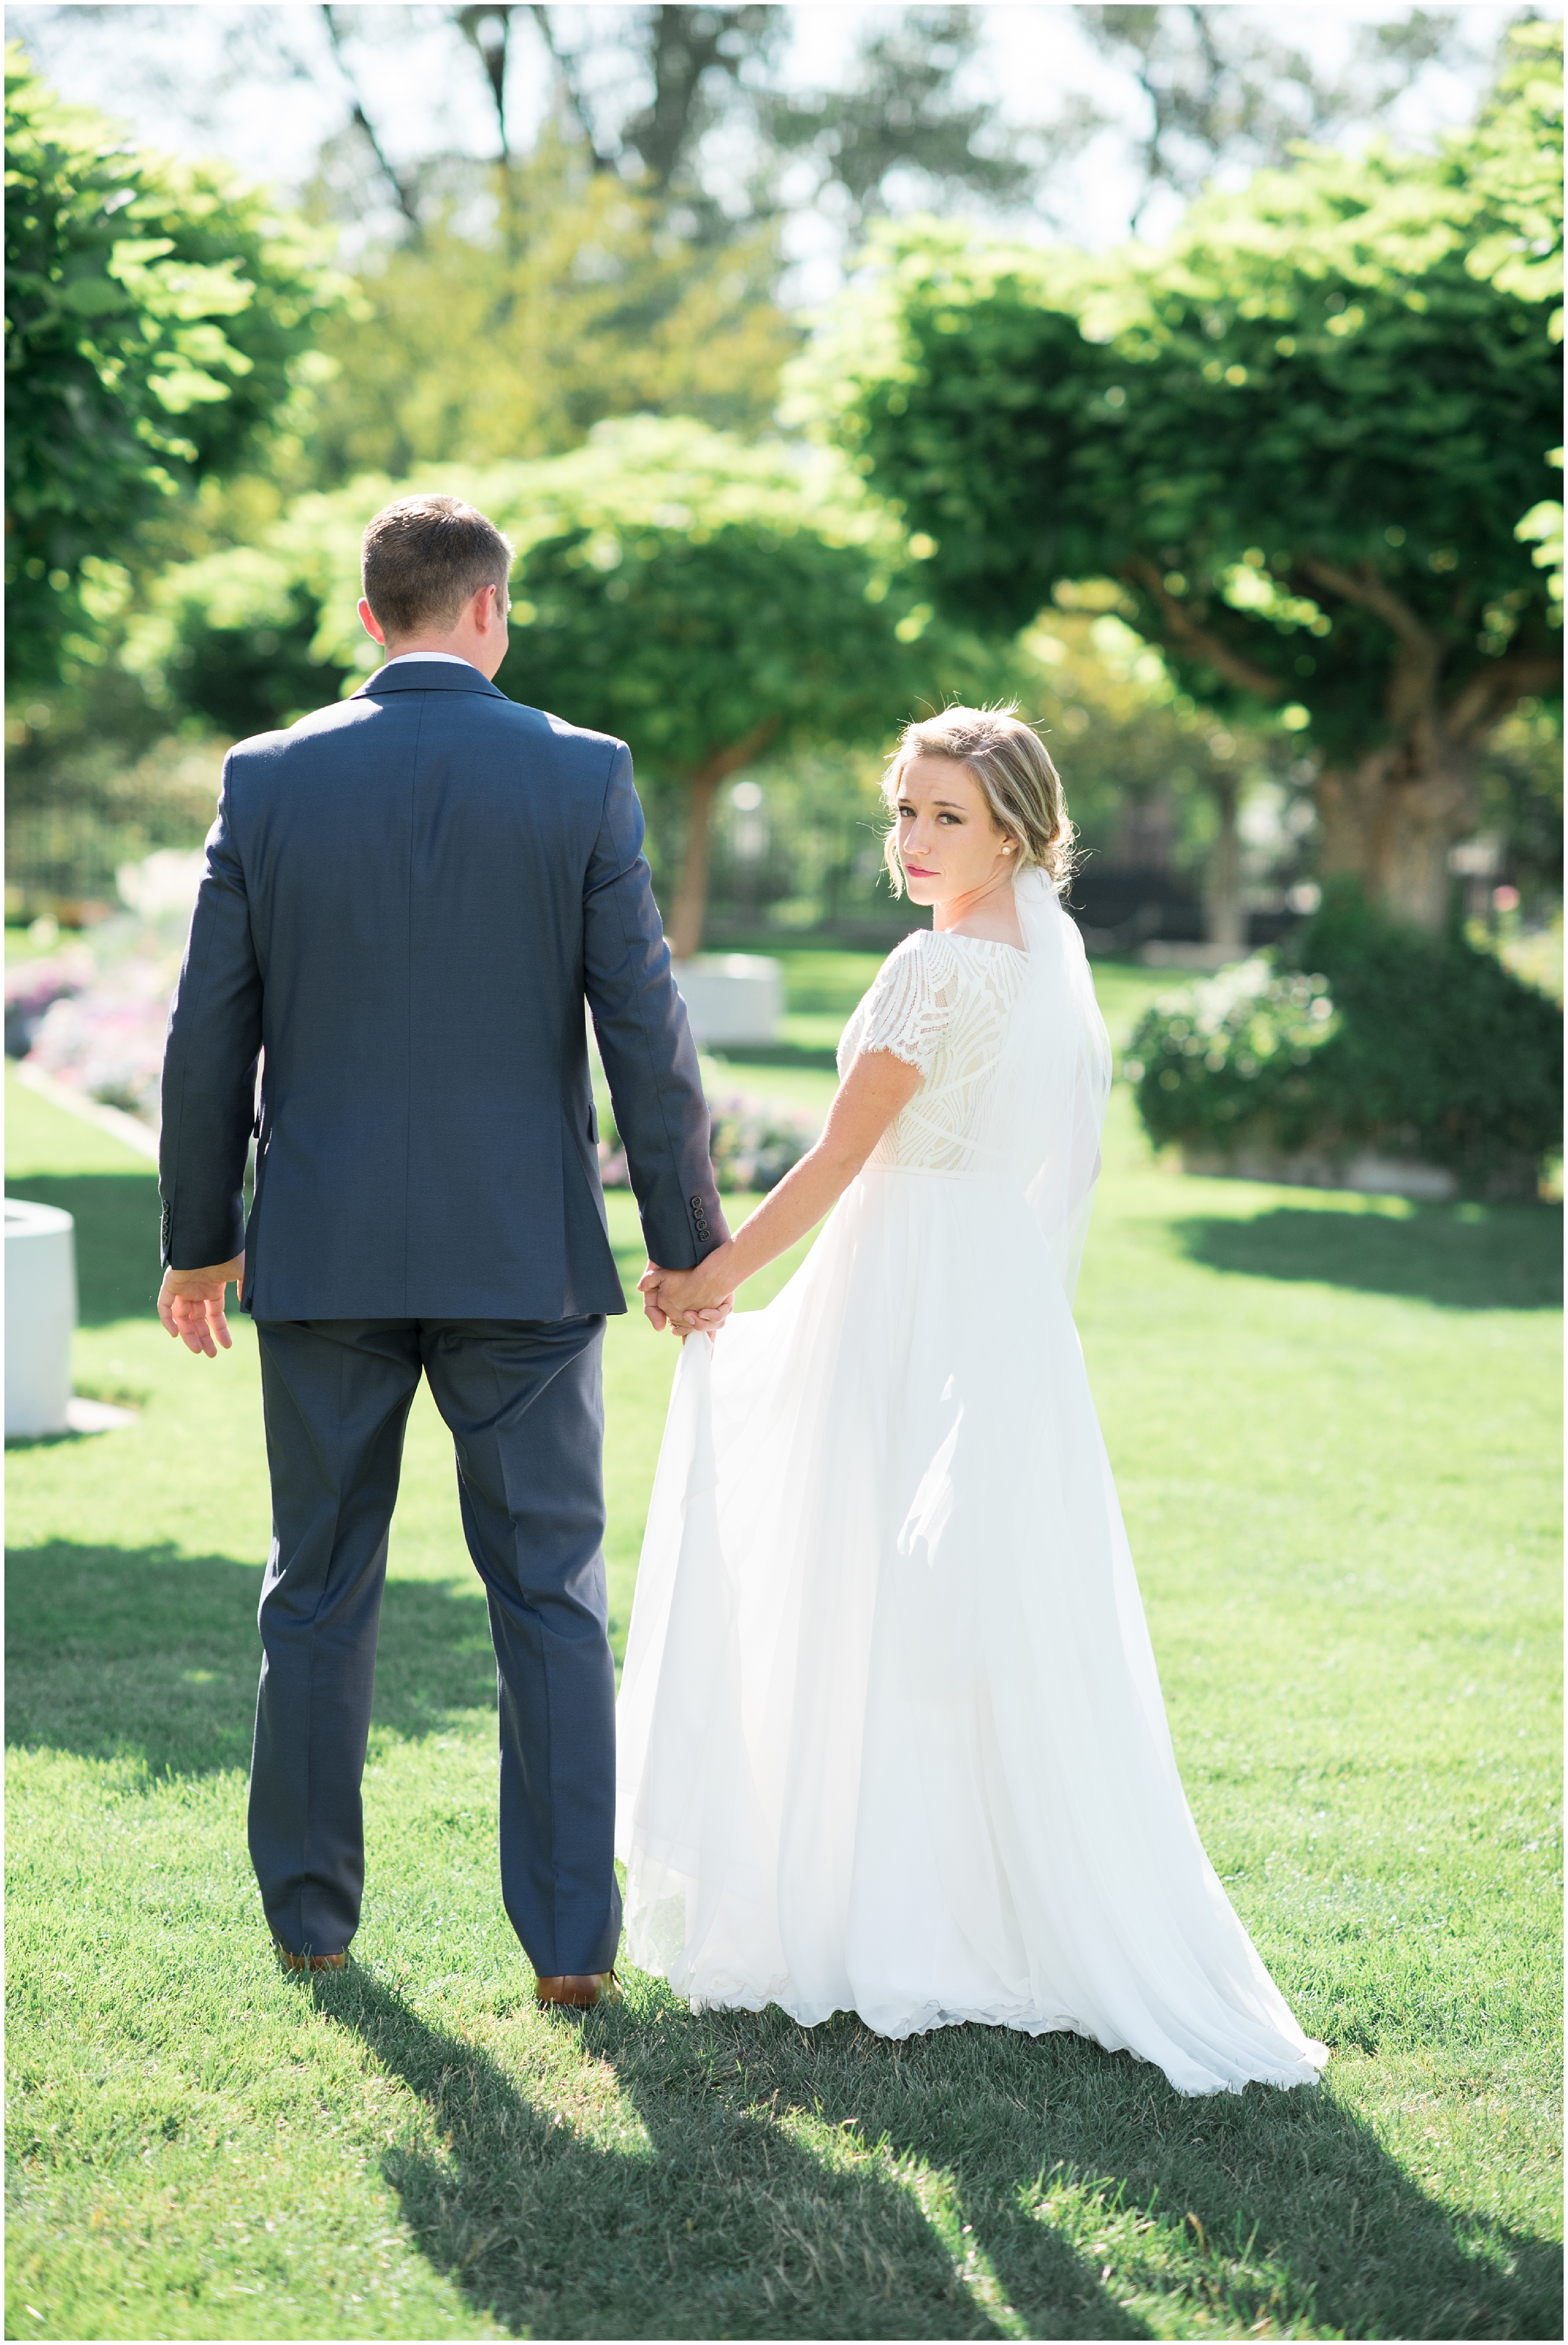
(719, 2216)
(712, 2221)
(117, 1218)
(146, 1654)
(1269, 2210)
(1465, 1257)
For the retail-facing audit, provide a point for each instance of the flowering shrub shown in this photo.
(108, 1040)
(754, 1143)
(1233, 1055)
(34, 985)
(104, 1032)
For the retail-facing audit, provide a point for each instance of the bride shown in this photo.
(891, 1736)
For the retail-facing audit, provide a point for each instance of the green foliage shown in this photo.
(1438, 1039)
(231, 638)
(673, 586)
(1223, 88)
(1515, 167)
(695, 597)
(1425, 1047)
(1234, 1058)
(706, 601)
(155, 313)
(1521, 777)
(1300, 437)
(479, 352)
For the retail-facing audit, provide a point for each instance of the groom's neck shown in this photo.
(447, 646)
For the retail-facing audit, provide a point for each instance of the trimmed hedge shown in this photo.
(1233, 1057)
(1366, 1034)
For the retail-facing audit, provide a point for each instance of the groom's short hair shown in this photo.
(424, 557)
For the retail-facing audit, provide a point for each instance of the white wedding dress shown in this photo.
(891, 1739)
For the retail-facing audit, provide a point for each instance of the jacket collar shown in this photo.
(426, 676)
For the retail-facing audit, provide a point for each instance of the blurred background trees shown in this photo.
(1300, 437)
(156, 319)
(714, 602)
(542, 220)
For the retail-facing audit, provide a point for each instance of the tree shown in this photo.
(153, 317)
(706, 601)
(683, 106)
(1222, 86)
(899, 115)
(458, 349)
(684, 54)
(692, 61)
(615, 277)
(1301, 439)
(895, 111)
(692, 104)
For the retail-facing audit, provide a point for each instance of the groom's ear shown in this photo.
(371, 624)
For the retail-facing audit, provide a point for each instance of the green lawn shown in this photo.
(1334, 1421)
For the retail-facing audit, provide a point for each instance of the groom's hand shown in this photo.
(190, 1305)
(648, 1288)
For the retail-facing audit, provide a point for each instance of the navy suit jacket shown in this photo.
(409, 897)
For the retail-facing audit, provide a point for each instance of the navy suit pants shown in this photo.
(522, 1399)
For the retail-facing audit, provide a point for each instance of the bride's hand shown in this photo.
(693, 1301)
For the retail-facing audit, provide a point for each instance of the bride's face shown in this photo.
(949, 841)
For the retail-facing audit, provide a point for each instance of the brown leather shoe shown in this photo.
(309, 1961)
(579, 1990)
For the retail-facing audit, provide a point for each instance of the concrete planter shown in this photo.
(40, 1319)
(731, 999)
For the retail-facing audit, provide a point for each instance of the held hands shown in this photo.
(689, 1302)
(191, 1301)
(190, 1305)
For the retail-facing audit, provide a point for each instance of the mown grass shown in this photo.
(1334, 1424)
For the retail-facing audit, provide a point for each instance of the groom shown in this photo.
(409, 897)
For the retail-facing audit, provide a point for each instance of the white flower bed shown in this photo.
(103, 1032)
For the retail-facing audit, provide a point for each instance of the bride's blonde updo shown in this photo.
(1017, 778)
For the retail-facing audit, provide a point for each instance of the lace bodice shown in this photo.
(945, 1004)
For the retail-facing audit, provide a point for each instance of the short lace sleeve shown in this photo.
(910, 1003)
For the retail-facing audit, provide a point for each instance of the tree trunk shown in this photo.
(1224, 921)
(685, 927)
(1391, 819)
(691, 902)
